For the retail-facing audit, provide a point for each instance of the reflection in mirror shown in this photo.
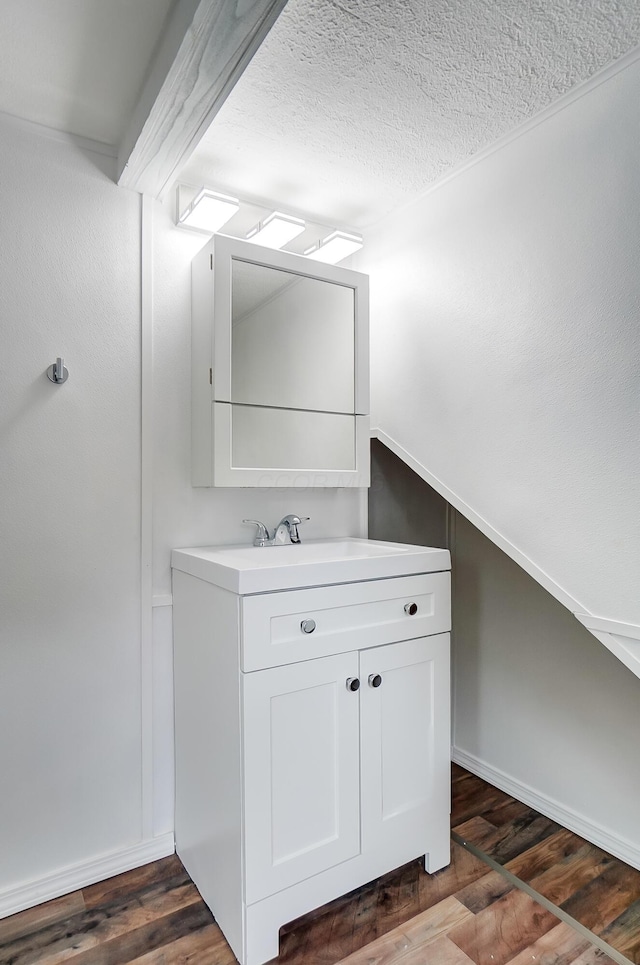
(292, 342)
(264, 438)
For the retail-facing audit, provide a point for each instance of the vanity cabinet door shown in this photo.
(405, 746)
(301, 771)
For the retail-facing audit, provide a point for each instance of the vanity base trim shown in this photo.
(264, 919)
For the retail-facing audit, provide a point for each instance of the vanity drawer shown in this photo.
(347, 616)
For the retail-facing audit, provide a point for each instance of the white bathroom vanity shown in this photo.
(312, 724)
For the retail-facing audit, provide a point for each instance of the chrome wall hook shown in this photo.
(58, 372)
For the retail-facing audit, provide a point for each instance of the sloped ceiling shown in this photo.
(77, 65)
(351, 109)
(348, 110)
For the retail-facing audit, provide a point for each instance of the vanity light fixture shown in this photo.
(209, 211)
(335, 247)
(276, 230)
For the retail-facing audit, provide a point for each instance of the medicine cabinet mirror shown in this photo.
(280, 387)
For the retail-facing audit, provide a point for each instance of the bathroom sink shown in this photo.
(253, 569)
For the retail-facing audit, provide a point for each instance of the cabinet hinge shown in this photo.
(210, 376)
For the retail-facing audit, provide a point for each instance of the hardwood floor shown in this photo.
(520, 889)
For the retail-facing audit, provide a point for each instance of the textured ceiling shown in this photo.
(350, 109)
(76, 65)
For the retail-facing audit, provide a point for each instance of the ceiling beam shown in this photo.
(204, 50)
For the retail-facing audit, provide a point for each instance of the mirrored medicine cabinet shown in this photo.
(280, 369)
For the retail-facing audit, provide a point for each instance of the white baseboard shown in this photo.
(602, 837)
(86, 873)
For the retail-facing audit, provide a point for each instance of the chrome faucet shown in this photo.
(285, 532)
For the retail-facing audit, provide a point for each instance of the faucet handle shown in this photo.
(262, 534)
(292, 522)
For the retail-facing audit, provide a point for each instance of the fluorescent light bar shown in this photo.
(277, 230)
(335, 247)
(209, 211)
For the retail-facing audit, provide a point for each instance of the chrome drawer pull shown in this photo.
(375, 679)
(411, 609)
(308, 626)
(353, 684)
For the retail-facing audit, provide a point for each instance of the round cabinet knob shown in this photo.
(411, 609)
(308, 626)
(375, 679)
(353, 684)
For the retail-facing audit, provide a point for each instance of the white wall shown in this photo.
(182, 515)
(402, 507)
(86, 752)
(69, 513)
(505, 304)
(541, 708)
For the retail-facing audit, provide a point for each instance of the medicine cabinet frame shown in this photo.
(211, 375)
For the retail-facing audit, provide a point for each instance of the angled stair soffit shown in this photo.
(622, 639)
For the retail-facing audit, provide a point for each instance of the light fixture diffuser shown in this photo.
(276, 230)
(335, 247)
(209, 211)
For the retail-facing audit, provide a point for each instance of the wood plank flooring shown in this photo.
(517, 885)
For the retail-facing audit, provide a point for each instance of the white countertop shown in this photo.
(251, 569)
